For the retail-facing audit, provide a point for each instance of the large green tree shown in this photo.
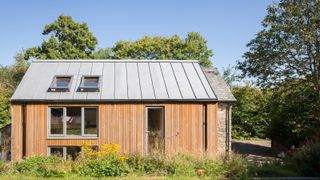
(194, 47)
(10, 76)
(288, 47)
(285, 56)
(68, 40)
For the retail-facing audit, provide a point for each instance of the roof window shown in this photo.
(90, 83)
(60, 84)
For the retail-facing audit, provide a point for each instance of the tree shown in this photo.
(288, 47)
(105, 53)
(229, 76)
(10, 77)
(250, 117)
(285, 56)
(157, 47)
(68, 40)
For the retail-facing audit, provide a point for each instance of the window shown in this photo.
(56, 122)
(60, 84)
(89, 84)
(90, 121)
(65, 152)
(73, 121)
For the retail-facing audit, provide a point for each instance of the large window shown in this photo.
(73, 121)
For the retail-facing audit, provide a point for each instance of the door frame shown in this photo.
(147, 126)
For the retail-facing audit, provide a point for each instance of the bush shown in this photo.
(100, 167)
(250, 118)
(181, 165)
(307, 161)
(39, 166)
(211, 167)
(151, 165)
(273, 169)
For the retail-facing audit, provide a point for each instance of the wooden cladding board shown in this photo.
(124, 124)
(16, 132)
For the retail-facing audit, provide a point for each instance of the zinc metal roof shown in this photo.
(120, 80)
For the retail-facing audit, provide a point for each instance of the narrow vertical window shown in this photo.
(56, 123)
(90, 121)
(73, 120)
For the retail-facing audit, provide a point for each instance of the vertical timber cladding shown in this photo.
(124, 124)
(16, 131)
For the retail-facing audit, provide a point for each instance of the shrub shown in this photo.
(211, 167)
(42, 167)
(273, 169)
(307, 161)
(152, 165)
(100, 167)
(236, 167)
(105, 162)
(181, 165)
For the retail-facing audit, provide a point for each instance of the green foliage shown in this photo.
(288, 46)
(304, 163)
(68, 40)
(181, 165)
(10, 77)
(212, 168)
(229, 76)
(294, 113)
(193, 47)
(152, 165)
(103, 54)
(285, 56)
(307, 161)
(42, 167)
(273, 169)
(250, 117)
(101, 167)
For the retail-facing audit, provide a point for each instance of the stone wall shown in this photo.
(224, 128)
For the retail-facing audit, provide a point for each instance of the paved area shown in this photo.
(258, 151)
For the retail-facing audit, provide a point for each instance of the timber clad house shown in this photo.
(144, 106)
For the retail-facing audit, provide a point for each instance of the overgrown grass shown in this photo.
(175, 167)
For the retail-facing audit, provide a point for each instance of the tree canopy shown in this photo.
(194, 47)
(10, 76)
(68, 40)
(285, 57)
(288, 47)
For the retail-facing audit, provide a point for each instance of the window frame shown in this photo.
(64, 135)
(83, 88)
(53, 88)
(64, 150)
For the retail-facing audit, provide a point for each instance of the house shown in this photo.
(144, 106)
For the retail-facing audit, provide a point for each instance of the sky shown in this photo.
(228, 25)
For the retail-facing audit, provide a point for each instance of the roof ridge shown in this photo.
(111, 61)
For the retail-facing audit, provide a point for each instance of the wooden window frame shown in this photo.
(64, 135)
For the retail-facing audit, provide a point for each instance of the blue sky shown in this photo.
(228, 25)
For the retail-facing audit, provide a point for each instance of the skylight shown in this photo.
(60, 84)
(89, 83)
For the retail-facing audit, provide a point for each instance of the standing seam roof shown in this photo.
(121, 80)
